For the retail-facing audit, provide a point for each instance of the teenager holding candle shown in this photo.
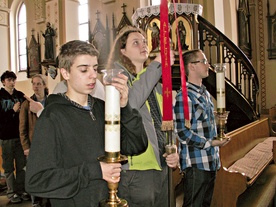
(69, 135)
(144, 179)
(199, 156)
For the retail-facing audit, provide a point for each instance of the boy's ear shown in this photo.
(191, 66)
(64, 73)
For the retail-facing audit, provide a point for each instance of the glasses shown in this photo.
(204, 61)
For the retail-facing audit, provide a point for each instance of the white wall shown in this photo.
(71, 20)
(4, 57)
(219, 15)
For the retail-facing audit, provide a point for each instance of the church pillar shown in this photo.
(4, 33)
(71, 22)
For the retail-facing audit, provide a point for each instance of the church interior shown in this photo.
(239, 33)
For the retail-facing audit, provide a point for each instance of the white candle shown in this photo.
(220, 89)
(112, 119)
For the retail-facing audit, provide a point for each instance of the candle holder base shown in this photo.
(109, 159)
(220, 138)
(116, 203)
(221, 119)
(113, 200)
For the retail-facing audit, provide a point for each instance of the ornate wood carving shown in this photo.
(148, 19)
(124, 21)
(244, 28)
(34, 59)
(100, 38)
(261, 53)
(271, 25)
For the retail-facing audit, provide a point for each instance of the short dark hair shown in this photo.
(188, 57)
(72, 49)
(8, 74)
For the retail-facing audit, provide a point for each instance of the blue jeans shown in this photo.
(198, 187)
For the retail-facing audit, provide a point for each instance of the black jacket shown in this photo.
(9, 120)
(62, 164)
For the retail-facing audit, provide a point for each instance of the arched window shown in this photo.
(22, 37)
(83, 20)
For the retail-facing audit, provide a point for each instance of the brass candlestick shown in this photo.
(221, 114)
(112, 135)
(221, 120)
(113, 200)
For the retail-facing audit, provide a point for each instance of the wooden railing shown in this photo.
(240, 72)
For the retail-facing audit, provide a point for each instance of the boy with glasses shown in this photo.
(199, 156)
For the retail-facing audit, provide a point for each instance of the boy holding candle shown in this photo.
(69, 135)
(199, 156)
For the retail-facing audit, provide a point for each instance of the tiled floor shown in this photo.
(4, 202)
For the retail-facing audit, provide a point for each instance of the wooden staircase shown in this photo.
(242, 85)
(241, 80)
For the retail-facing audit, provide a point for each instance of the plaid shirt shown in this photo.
(196, 150)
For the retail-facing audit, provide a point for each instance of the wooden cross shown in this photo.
(33, 32)
(124, 8)
(98, 14)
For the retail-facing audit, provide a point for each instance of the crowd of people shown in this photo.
(59, 137)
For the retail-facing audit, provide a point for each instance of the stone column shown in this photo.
(4, 34)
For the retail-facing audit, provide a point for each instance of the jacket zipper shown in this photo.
(92, 115)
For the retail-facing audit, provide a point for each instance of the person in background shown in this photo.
(61, 87)
(144, 179)
(199, 155)
(27, 119)
(69, 135)
(13, 156)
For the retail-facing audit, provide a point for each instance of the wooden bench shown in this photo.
(235, 188)
(272, 120)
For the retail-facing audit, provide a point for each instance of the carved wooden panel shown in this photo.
(271, 24)
(34, 59)
(100, 38)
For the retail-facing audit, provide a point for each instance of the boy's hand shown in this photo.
(34, 105)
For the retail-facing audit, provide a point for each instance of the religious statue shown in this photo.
(182, 35)
(155, 39)
(49, 42)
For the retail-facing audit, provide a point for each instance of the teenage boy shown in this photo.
(69, 135)
(199, 155)
(12, 152)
